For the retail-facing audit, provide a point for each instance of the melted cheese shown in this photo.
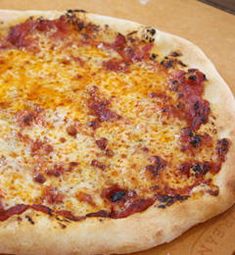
(59, 84)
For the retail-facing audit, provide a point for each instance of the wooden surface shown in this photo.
(227, 5)
(211, 29)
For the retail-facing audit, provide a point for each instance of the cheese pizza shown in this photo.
(115, 137)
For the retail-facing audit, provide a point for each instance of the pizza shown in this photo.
(115, 137)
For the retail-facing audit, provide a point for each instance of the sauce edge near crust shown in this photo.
(128, 54)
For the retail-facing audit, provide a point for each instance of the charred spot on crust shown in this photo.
(75, 10)
(132, 33)
(152, 31)
(195, 140)
(63, 226)
(80, 25)
(149, 33)
(167, 200)
(198, 75)
(173, 85)
(214, 190)
(191, 141)
(192, 77)
(29, 219)
(182, 63)
(153, 56)
(200, 112)
(175, 53)
(189, 87)
(167, 63)
(94, 124)
(117, 196)
(200, 168)
(114, 193)
(222, 148)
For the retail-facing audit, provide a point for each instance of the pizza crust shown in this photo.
(141, 230)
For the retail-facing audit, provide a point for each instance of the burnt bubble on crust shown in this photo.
(117, 196)
(200, 168)
(222, 148)
(189, 87)
(114, 193)
(191, 141)
(63, 226)
(132, 33)
(72, 11)
(167, 200)
(168, 63)
(171, 61)
(30, 220)
(149, 34)
(176, 53)
(153, 56)
(195, 140)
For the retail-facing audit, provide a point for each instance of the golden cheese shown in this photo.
(58, 81)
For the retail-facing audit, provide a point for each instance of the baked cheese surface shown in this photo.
(95, 122)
